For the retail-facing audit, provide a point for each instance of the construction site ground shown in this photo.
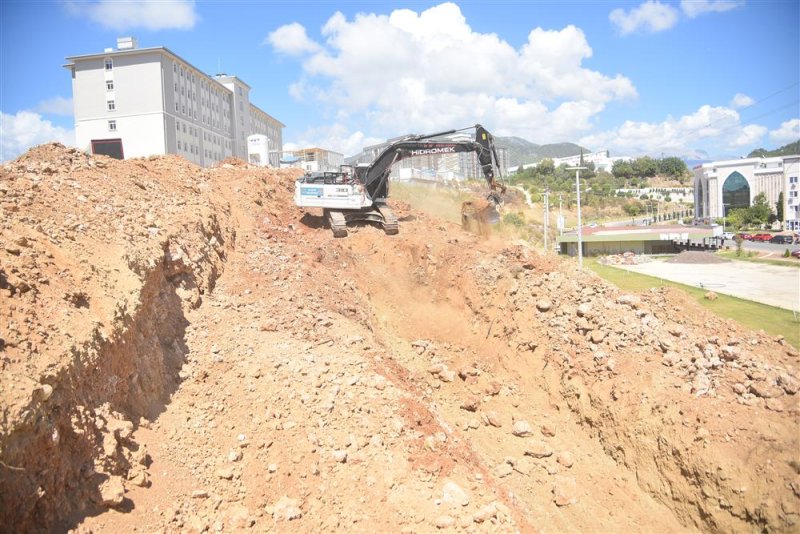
(184, 350)
(775, 285)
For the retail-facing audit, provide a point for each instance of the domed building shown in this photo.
(721, 186)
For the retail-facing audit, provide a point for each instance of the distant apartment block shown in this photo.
(135, 102)
(721, 186)
(315, 159)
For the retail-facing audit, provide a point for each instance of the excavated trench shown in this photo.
(76, 435)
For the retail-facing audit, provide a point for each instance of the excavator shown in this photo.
(359, 192)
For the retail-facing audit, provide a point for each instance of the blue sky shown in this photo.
(693, 78)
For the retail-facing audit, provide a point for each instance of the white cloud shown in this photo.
(788, 132)
(335, 137)
(651, 17)
(694, 8)
(122, 15)
(740, 101)
(25, 129)
(292, 39)
(55, 106)
(718, 129)
(429, 71)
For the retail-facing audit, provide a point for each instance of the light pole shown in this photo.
(546, 216)
(578, 195)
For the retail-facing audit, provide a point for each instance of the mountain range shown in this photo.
(521, 151)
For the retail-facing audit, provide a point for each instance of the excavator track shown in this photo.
(337, 222)
(390, 223)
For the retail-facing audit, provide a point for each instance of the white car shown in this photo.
(727, 235)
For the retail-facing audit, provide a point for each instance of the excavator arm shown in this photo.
(375, 177)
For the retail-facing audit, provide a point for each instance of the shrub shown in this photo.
(786, 253)
(514, 219)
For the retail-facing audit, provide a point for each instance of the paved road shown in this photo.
(769, 284)
(761, 247)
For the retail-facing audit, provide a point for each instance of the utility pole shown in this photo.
(546, 217)
(560, 217)
(578, 194)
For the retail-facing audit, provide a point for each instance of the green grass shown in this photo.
(753, 315)
(788, 262)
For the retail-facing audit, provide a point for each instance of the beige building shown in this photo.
(135, 102)
(721, 186)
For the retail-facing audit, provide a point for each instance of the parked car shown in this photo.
(761, 237)
(727, 235)
(746, 237)
(781, 239)
(796, 253)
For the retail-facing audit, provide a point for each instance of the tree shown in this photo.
(779, 207)
(760, 210)
(672, 166)
(545, 166)
(633, 208)
(645, 167)
(622, 169)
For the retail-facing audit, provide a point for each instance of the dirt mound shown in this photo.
(187, 351)
(695, 256)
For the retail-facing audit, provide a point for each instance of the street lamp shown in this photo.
(578, 194)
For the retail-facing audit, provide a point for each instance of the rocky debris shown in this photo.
(544, 305)
(486, 512)
(565, 458)
(521, 429)
(454, 495)
(286, 509)
(710, 295)
(444, 521)
(626, 258)
(538, 449)
(565, 491)
(112, 491)
(471, 403)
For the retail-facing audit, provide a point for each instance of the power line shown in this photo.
(755, 103)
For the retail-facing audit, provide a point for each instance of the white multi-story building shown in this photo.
(721, 186)
(134, 102)
(316, 159)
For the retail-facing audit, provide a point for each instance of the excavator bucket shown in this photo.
(478, 215)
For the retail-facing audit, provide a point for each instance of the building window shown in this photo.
(184, 127)
(183, 109)
(178, 125)
(109, 64)
(793, 179)
(111, 105)
(109, 85)
(112, 126)
(176, 107)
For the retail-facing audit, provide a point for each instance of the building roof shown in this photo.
(638, 233)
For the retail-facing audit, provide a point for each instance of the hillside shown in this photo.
(521, 151)
(786, 150)
(185, 350)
